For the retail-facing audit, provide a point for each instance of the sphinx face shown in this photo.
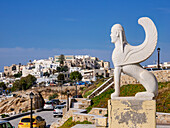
(114, 36)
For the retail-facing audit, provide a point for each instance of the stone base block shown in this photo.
(101, 122)
(126, 112)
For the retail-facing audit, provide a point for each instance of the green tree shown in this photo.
(2, 85)
(24, 83)
(19, 74)
(61, 77)
(16, 86)
(61, 59)
(30, 80)
(46, 74)
(62, 69)
(76, 76)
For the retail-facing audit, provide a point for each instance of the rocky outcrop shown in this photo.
(21, 102)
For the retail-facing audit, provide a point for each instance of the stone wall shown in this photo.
(162, 118)
(98, 111)
(162, 76)
(80, 103)
(83, 117)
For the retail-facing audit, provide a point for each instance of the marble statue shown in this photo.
(126, 58)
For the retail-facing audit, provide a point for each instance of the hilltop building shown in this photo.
(89, 67)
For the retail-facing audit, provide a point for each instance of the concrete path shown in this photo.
(47, 115)
(93, 126)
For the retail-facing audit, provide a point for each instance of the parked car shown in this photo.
(63, 103)
(10, 95)
(58, 110)
(49, 105)
(55, 102)
(38, 122)
(5, 124)
(78, 96)
(153, 69)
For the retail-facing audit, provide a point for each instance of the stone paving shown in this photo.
(93, 126)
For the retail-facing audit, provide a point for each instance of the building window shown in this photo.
(69, 57)
(13, 68)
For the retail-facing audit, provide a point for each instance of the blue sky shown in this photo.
(36, 29)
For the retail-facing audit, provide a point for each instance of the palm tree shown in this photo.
(61, 59)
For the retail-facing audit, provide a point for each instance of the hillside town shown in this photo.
(47, 70)
(84, 64)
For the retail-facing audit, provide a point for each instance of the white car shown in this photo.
(48, 105)
(58, 110)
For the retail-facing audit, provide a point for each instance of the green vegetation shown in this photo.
(61, 77)
(98, 83)
(62, 69)
(55, 95)
(69, 123)
(2, 85)
(19, 74)
(75, 76)
(46, 74)
(61, 59)
(101, 100)
(88, 93)
(163, 99)
(24, 83)
(4, 115)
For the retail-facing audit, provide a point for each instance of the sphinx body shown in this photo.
(126, 58)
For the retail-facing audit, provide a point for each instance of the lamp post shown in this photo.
(31, 97)
(68, 93)
(76, 88)
(61, 88)
(158, 49)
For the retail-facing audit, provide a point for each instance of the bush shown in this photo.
(162, 100)
(69, 123)
(4, 115)
(55, 95)
(24, 83)
(88, 93)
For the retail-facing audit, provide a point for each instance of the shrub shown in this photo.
(69, 123)
(55, 95)
(4, 115)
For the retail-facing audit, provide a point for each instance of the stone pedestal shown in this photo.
(128, 112)
(101, 122)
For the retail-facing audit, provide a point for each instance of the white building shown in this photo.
(73, 69)
(1, 75)
(36, 71)
(165, 65)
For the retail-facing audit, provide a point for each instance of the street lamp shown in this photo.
(31, 97)
(76, 88)
(61, 87)
(158, 49)
(68, 93)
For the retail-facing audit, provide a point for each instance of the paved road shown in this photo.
(47, 115)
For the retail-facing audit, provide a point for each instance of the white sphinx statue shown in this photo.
(126, 58)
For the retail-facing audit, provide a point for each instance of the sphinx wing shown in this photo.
(137, 54)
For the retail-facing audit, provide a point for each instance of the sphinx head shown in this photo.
(118, 35)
